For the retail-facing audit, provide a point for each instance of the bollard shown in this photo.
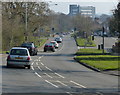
(92, 37)
(98, 47)
(101, 46)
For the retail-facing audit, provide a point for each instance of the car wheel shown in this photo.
(53, 50)
(28, 66)
(8, 65)
(45, 50)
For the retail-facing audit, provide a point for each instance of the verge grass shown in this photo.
(95, 58)
(83, 42)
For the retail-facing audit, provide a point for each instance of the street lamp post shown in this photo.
(103, 40)
(26, 25)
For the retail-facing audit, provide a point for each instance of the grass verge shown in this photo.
(84, 42)
(95, 58)
(90, 51)
(101, 62)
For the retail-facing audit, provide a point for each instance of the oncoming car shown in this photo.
(19, 56)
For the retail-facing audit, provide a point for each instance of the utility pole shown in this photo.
(103, 40)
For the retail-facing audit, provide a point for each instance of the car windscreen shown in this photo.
(22, 52)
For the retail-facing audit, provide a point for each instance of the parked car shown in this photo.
(49, 47)
(31, 47)
(56, 45)
(58, 40)
(19, 56)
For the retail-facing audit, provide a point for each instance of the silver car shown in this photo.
(19, 56)
(55, 44)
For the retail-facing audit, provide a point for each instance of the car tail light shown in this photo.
(28, 58)
(52, 46)
(32, 47)
(8, 58)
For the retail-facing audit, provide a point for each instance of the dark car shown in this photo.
(31, 47)
(50, 47)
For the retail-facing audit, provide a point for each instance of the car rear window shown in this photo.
(22, 52)
(52, 42)
(27, 45)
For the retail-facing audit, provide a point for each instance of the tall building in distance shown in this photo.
(88, 11)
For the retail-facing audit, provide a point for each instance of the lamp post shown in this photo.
(52, 25)
(103, 39)
(26, 25)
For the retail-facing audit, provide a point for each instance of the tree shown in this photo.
(14, 20)
(115, 21)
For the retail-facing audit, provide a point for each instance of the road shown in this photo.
(108, 42)
(57, 72)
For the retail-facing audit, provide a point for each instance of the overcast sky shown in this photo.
(102, 6)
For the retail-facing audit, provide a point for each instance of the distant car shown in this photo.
(31, 47)
(58, 40)
(19, 56)
(55, 44)
(49, 47)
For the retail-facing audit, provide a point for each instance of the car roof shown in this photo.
(48, 44)
(19, 48)
(53, 41)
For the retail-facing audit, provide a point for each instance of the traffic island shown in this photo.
(98, 62)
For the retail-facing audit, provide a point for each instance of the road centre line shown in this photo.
(37, 74)
(48, 75)
(78, 84)
(52, 84)
(59, 75)
(61, 83)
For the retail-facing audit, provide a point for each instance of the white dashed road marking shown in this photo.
(48, 68)
(37, 74)
(69, 93)
(48, 75)
(59, 75)
(52, 84)
(39, 68)
(32, 67)
(61, 83)
(78, 84)
(36, 63)
(32, 63)
(42, 64)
